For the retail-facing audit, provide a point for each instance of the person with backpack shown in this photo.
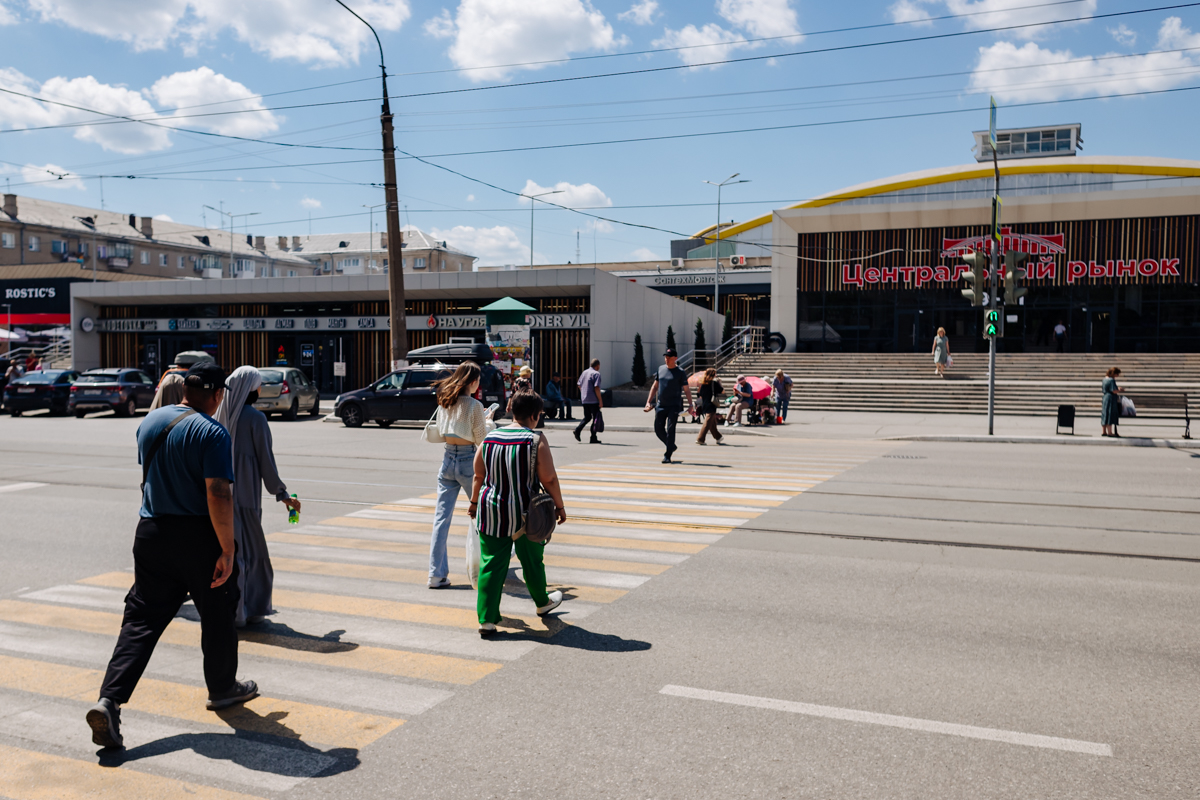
(509, 466)
(184, 545)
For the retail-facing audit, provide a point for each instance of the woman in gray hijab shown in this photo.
(170, 391)
(253, 467)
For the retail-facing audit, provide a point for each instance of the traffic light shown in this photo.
(978, 261)
(993, 324)
(1014, 273)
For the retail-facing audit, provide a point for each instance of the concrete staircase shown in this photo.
(1026, 383)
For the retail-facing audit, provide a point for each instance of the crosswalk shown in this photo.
(359, 644)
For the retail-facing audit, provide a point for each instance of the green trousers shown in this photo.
(495, 552)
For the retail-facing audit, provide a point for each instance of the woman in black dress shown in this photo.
(710, 393)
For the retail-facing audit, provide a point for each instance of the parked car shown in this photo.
(491, 382)
(287, 390)
(122, 390)
(35, 390)
(404, 394)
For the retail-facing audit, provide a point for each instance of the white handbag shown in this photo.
(474, 554)
(431, 433)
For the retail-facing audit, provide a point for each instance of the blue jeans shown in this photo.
(458, 471)
(781, 404)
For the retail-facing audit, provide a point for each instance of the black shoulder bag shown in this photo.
(540, 517)
(158, 442)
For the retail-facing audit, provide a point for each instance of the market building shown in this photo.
(317, 323)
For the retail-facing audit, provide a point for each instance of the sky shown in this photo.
(269, 110)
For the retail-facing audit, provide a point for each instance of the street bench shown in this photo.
(1164, 401)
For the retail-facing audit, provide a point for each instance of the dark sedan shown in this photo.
(404, 394)
(121, 390)
(36, 390)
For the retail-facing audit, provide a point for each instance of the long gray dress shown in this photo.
(253, 467)
(941, 350)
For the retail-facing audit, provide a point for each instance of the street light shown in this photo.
(717, 239)
(8, 331)
(371, 238)
(398, 320)
(532, 198)
(231, 217)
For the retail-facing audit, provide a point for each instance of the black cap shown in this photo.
(205, 375)
(670, 353)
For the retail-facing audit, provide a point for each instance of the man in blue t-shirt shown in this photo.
(666, 396)
(184, 546)
(591, 398)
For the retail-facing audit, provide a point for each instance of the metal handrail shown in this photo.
(746, 340)
(52, 353)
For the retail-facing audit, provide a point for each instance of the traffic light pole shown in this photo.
(994, 285)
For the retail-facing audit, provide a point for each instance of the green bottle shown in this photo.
(293, 515)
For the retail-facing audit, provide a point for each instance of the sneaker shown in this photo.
(240, 692)
(556, 599)
(439, 583)
(104, 718)
(486, 629)
(577, 436)
(594, 440)
(700, 442)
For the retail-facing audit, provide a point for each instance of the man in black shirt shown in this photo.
(666, 397)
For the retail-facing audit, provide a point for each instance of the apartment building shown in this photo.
(366, 253)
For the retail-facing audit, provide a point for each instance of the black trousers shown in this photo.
(665, 420)
(590, 411)
(559, 410)
(172, 558)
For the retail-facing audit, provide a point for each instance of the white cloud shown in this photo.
(492, 246)
(644, 254)
(750, 18)
(640, 13)
(163, 217)
(1048, 79)
(58, 177)
(309, 31)
(310, 202)
(204, 87)
(583, 195)
(1124, 35)
(994, 13)
(7, 17)
(470, 198)
(493, 32)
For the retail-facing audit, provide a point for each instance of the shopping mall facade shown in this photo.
(1113, 248)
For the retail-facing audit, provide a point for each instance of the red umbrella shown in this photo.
(695, 378)
(759, 387)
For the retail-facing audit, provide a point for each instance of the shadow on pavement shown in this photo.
(578, 638)
(308, 761)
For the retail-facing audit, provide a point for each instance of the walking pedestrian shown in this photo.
(554, 395)
(462, 422)
(783, 394)
(1110, 406)
(743, 398)
(710, 392)
(1060, 335)
(666, 397)
(184, 545)
(941, 353)
(170, 391)
(501, 491)
(253, 468)
(591, 398)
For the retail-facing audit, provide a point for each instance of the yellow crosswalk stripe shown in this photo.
(285, 718)
(29, 775)
(409, 612)
(400, 663)
(402, 525)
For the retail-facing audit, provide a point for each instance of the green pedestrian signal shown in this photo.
(978, 262)
(992, 327)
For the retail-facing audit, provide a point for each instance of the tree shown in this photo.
(700, 359)
(639, 362)
(727, 334)
(671, 338)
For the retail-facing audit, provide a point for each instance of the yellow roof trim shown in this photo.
(966, 174)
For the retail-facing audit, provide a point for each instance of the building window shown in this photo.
(8, 240)
(58, 247)
(443, 266)
(291, 273)
(182, 261)
(35, 243)
(82, 249)
(325, 265)
(419, 263)
(144, 256)
(244, 265)
(163, 260)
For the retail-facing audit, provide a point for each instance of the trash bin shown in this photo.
(1066, 419)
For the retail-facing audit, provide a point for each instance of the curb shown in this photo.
(1124, 441)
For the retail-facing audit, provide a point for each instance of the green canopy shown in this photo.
(507, 311)
(508, 304)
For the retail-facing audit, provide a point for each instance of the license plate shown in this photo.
(94, 391)
(25, 391)
(262, 405)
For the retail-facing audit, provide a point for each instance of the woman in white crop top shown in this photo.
(462, 420)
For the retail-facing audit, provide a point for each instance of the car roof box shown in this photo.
(454, 353)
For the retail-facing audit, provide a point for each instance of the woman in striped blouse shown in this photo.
(500, 496)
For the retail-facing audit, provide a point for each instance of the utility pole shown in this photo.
(397, 316)
(717, 240)
(532, 202)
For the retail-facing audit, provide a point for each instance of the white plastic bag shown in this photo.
(473, 555)
(1128, 409)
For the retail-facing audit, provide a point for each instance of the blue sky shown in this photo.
(169, 61)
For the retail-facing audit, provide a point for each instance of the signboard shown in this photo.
(365, 323)
(339, 369)
(510, 347)
(306, 355)
(37, 301)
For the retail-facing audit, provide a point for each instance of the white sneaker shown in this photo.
(439, 583)
(486, 629)
(556, 599)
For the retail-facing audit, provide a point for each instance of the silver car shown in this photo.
(287, 391)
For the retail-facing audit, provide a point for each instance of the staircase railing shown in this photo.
(57, 354)
(747, 340)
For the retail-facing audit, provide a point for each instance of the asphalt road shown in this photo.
(818, 619)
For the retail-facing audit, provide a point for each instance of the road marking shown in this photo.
(399, 663)
(409, 612)
(18, 487)
(285, 718)
(29, 775)
(892, 721)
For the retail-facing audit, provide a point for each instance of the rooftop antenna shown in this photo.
(101, 192)
(577, 259)
(407, 220)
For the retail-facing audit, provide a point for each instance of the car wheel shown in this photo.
(292, 411)
(383, 423)
(15, 413)
(80, 413)
(352, 415)
(316, 409)
(126, 409)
